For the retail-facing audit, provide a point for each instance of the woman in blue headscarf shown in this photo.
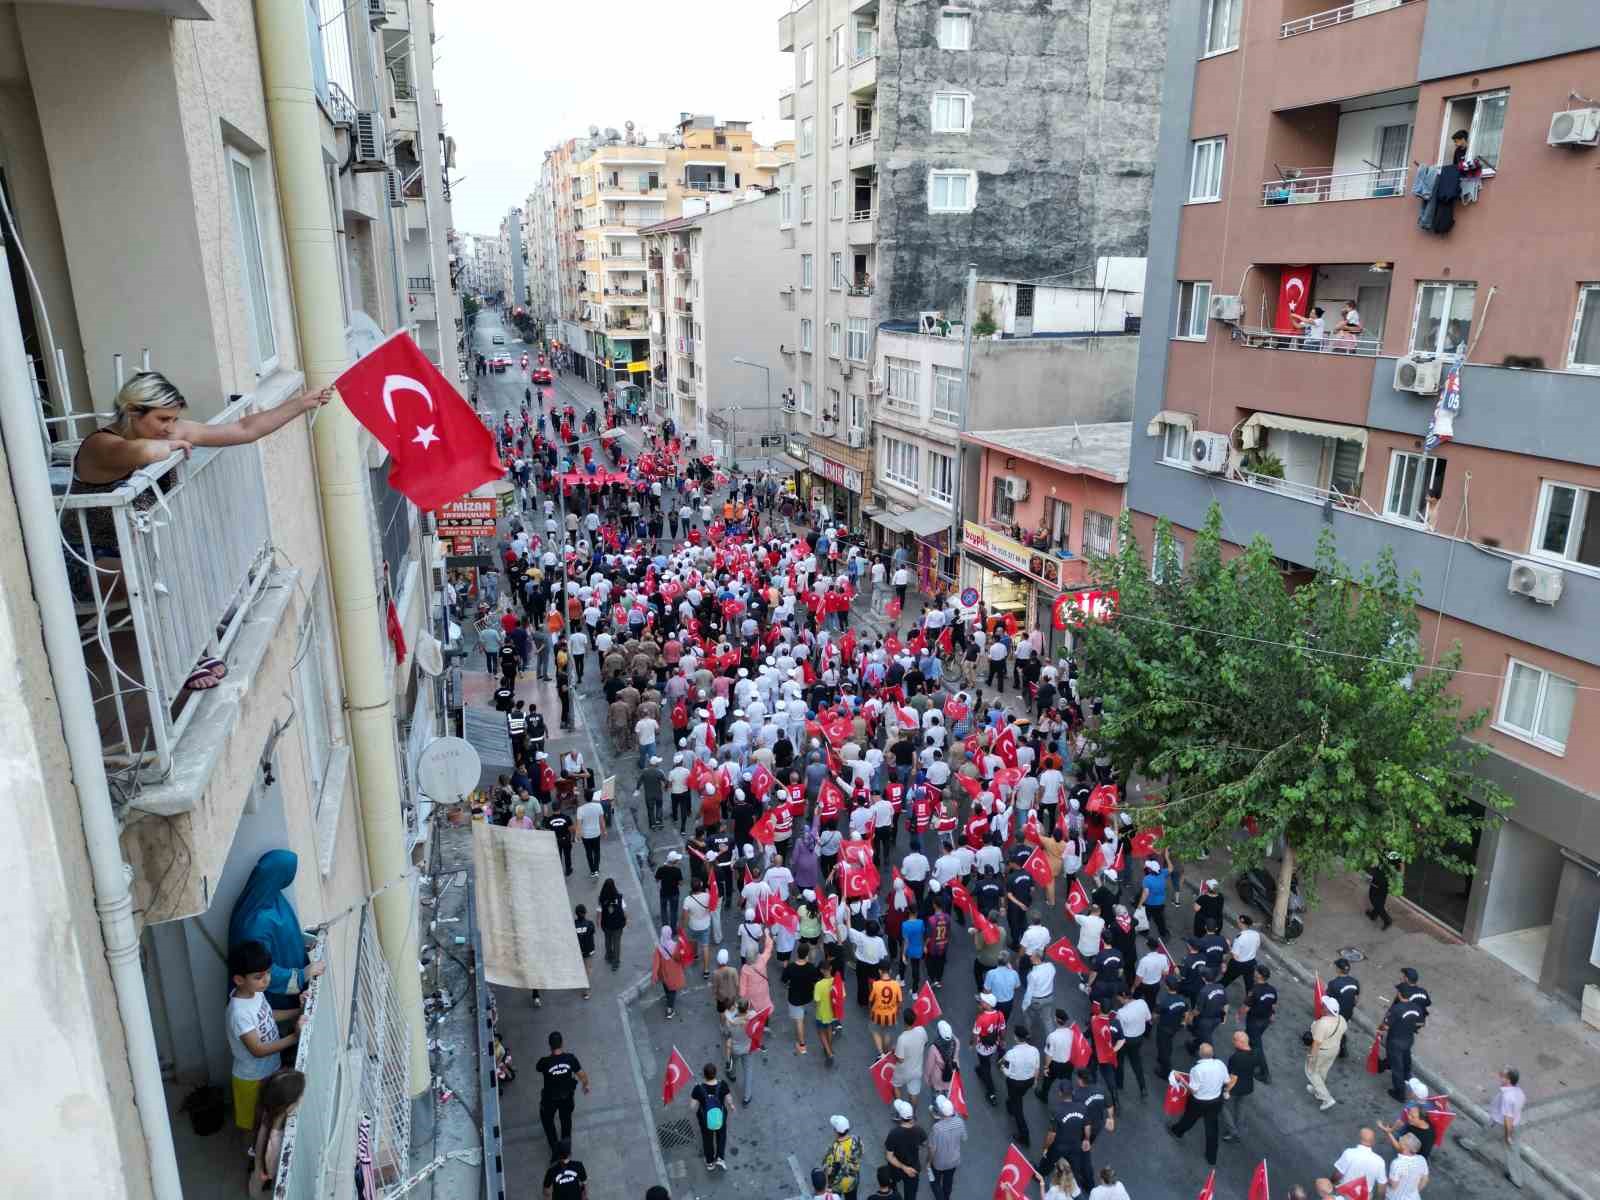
(263, 914)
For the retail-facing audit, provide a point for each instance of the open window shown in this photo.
(1483, 116)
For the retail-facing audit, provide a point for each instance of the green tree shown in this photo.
(1273, 707)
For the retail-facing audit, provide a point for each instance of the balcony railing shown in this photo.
(862, 138)
(1273, 339)
(1337, 16)
(194, 547)
(1307, 492)
(863, 214)
(861, 287)
(683, 304)
(419, 283)
(378, 1032)
(1314, 185)
(708, 185)
(303, 1161)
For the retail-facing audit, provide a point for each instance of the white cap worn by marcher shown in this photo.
(945, 1031)
(903, 1110)
(722, 958)
(942, 1103)
(1332, 1005)
(673, 856)
(840, 1124)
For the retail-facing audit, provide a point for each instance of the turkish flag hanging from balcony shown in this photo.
(438, 449)
(1294, 298)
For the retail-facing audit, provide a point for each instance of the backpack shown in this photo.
(714, 1115)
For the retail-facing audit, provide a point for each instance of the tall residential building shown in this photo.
(609, 186)
(1009, 134)
(1308, 158)
(713, 344)
(514, 260)
(544, 289)
(220, 206)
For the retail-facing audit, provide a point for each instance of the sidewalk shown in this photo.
(1485, 1016)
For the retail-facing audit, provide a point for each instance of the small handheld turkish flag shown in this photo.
(1016, 1176)
(761, 781)
(763, 831)
(1144, 842)
(1356, 1188)
(1260, 1189)
(676, 1077)
(1375, 1056)
(1095, 864)
(1440, 1117)
(1065, 955)
(1177, 1096)
(926, 1005)
(958, 1094)
(1006, 746)
(779, 913)
(836, 996)
(883, 1078)
(1077, 898)
(438, 448)
(713, 894)
(756, 1027)
(1317, 993)
(1209, 1190)
(960, 897)
(1039, 867)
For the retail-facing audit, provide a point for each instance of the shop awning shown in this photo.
(889, 521)
(923, 521)
(1250, 433)
(1169, 416)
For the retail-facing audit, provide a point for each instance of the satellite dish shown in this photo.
(448, 768)
(362, 335)
(430, 655)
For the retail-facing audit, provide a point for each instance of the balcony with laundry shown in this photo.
(1351, 49)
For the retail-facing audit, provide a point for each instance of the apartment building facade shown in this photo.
(513, 260)
(1443, 406)
(929, 137)
(713, 353)
(544, 289)
(189, 176)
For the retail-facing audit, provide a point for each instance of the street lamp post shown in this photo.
(767, 371)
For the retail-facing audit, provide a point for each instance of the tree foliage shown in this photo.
(1271, 707)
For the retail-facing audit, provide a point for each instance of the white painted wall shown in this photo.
(1358, 135)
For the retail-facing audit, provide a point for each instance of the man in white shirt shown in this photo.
(578, 644)
(1090, 926)
(1020, 1066)
(997, 654)
(1057, 1056)
(1242, 953)
(1036, 936)
(1150, 970)
(591, 827)
(947, 867)
(1208, 1087)
(644, 732)
(1129, 1025)
(1408, 1173)
(914, 868)
(1361, 1161)
(1040, 991)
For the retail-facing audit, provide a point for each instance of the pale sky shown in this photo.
(518, 76)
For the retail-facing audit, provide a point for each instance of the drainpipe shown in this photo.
(19, 422)
(959, 500)
(293, 116)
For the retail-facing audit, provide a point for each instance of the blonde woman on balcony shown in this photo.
(148, 427)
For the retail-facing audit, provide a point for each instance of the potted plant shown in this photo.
(984, 326)
(1264, 463)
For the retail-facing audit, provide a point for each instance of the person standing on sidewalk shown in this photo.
(591, 818)
(1506, 1112)
(563, 1074)
(613, 920)
(712, 1102)
(1327, 1043)
(902, 580)
(490, 639)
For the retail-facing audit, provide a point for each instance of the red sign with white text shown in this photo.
(1077, 608)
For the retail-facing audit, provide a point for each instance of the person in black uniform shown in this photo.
(1090, 1096)
(1215, 949)
(1068, 1138)
(1208, 909)
(1192, 972)
(1019, 898)
(1378, 896)
(1210, 1006)
(560, 824)
(566, 1178)
(517, 731)
(563, 1074)
(1406, 1015)
(1171, 1010)
(1105, 983)
(505, 699)
(536, 731)
(1346, 989)
(1259, 1004)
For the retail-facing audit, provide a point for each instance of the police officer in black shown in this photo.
(1407, 1013)
(1210, 1006)
(566, 1178)
(1068, 1138)
(989, 892)
(537, 731)
(1106, 982)
(1259, 1004)
(1215, 948)
(560, 824)
(563, 1074)
(719, 844)
(1346, 989)
(1171, 1011)
(1090, 1095)
(517, 731)
(1192, 972)
(505, 698)
(1019, 898)
(508, 664)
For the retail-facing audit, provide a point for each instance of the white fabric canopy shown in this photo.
(524, 913)
(1169, 416)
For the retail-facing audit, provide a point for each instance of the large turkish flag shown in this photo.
(438, 449)
(1294, 298)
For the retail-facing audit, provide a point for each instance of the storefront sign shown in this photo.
(835, 472)
(470, 517)
(1077, 608)
(1008, 552)
(795, 448)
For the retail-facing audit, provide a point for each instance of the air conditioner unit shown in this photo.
(1208, 452)
(1016, 487)
(856, 439)
(1226, 308)
(1418, 373)
(372, 143)
(874, 387)
(1538, 581)
(397, 195)
(377, 12)
(1578, 127)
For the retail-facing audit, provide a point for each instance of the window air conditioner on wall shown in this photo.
(1226, 308)
(1576, 127)
(1418, 373)
(1538, 581)
(1016, 487)
(1208, 452)
(372, 143)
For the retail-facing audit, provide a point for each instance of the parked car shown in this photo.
(541, 375)
(1259, 889)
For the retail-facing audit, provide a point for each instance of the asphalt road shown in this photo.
(773, 1144)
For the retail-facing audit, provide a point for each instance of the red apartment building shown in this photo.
(1294, 143)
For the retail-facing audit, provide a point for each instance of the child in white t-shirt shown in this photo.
(253, 1028)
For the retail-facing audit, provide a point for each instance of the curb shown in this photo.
(1291, 965)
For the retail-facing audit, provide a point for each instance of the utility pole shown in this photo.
(961, 421)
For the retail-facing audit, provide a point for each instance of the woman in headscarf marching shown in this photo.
(263, 914)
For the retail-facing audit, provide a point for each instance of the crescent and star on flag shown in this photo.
(426, 436)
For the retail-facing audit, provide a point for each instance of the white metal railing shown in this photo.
(1272, 339)
(1314, 185)
(1337, 16)
(865, 50)
(863, 214)
(303, 1162)
(379, 1057)
(194, 547)
(707, 185)
(1307, 492)
(865, 136)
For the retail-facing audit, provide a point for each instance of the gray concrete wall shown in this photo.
(1065, 98)
(1551, 808)
(1034, 382)
(1520, 891)
(1458, 39)
(744, 266)
(1566, 956)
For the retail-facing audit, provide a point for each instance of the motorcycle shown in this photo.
(1258, 888)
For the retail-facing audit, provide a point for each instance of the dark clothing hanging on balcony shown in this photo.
(1439, 205)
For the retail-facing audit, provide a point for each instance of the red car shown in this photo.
(499, 363)
(541, 375)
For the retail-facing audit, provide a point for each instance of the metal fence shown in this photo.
(308, 1132)
(379, 1058)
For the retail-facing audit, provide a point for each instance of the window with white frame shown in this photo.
(808, 135)
(837, 128)
(1175, 444)
(858, 412)
(807, 272)
(1562, 528)
(808, 204)
(952, 112)
(253, 262)
(1205, 170)
(1194, 306)
(941, 477)
(808, 62)
(1001, 506)
(837, 39)
(833, 410)
(1583, 353)
(900, 462)
(785, 208)
(1442, 320)
(1537, 705)
(1157, 571)
(836, 199)
(955, 31)
(947, 394)
(856, 347)
(900, 384)
(807, 401)
(1058, 519)
(1099, 532)
(805, 334)
(1483, 116)
(835, 339)
(1222, 25)
(836, 271)
(312, 672)
(952, 191)
(1413, 480)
